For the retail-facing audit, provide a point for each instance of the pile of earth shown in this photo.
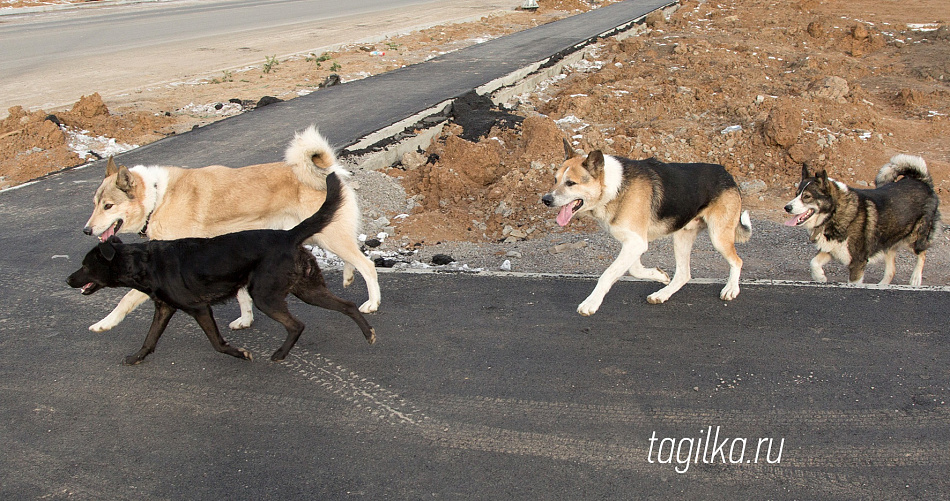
(34, 143)
(761, 87)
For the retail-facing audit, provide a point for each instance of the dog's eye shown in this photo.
(569, 183)
(806, 197)
(108, 206)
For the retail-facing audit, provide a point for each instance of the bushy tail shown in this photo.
(324, 216)
(312, 158)
(910, 166)
(744, 230)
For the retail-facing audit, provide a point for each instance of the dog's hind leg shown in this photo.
(317, 294)
(205, 319)
(247, 311)
(163, 313)
(917, 277)
(628, 260)
(889, 266)
(682, 247)
(276, 308)
(344, 246)
(129, 302)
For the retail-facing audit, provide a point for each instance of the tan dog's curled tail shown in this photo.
(312, 158)
(744, 230)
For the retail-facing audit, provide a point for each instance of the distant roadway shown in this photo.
(49, 59)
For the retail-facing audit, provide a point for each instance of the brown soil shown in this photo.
(841, 84)
(31, 146)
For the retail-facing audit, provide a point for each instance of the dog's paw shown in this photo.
(657, 297)
(369, 307)
(133, 359)
(818, 275)
(729, 292)
(589, 307)
(662, 277)
(102, 325)
(247, 354)
(241, 323)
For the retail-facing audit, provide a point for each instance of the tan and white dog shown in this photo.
(637, 201)
(166, 203)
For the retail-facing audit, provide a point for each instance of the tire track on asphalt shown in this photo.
(450, 432)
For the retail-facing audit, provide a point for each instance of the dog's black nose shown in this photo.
(548, 199)
(788, 208)
(87, 230)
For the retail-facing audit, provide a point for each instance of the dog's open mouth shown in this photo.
(89, 288)
(799, 219)
(110, 231)
(567, 211)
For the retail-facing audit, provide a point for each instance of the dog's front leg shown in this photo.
(856, 271)
(205, 319)
(129, 302)
(633, 247)
(163, 313)
(247, 311)
(818, 266)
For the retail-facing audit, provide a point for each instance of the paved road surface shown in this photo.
(50, 60)
(479, 386)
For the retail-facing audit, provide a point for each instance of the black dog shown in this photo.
(191, 274)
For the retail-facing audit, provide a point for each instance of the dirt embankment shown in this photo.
(34, 143)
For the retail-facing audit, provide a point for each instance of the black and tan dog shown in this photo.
(191, 274)
(637, 201)
(856, 226)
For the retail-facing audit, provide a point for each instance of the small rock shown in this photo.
(515, 254)
(505, 266)
(373, 243)
(267, 101)
(382, 262)
(752, 186)
(442, 259)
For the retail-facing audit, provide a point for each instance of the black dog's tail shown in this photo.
(910, 166)
(323, 217)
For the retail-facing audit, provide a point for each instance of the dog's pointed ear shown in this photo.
(594, 163)
(822, 176)
(125, 181)
(568, 150)
(107, 250)
(111, 168)
(805, 174)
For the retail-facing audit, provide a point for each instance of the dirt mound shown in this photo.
(757, 86)
(483, 191)
(35, 144)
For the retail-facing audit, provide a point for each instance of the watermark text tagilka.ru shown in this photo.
(709, 448)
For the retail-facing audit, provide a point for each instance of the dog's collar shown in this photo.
(144, 231)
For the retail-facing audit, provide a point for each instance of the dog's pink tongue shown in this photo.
(108, 233)
(793, 221)
(565, 214)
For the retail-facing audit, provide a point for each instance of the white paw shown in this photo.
(729, 292)
(662, 277)
(657, 297)
(369, 306)
(819, 276)
(589, 306)
(347, 278)
(103, 325)
(242, 322)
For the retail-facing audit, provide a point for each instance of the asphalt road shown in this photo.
(51, 59)
(479, 387)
